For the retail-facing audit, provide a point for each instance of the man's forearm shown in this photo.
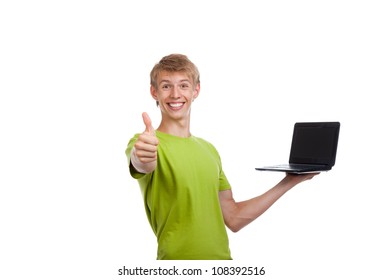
(247, 211)
(239, 214)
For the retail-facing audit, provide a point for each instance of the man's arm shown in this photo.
(239, 214)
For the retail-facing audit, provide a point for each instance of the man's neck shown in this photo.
(177, 128)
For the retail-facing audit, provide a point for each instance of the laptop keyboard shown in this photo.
(294, 166)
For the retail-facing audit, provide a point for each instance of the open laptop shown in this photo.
(313, 148)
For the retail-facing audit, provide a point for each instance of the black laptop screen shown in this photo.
(314, 143)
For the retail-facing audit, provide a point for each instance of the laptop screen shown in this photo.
(314, 143)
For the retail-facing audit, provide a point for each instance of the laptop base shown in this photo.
(295, 168)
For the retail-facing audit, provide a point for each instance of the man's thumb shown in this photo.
(148, 123)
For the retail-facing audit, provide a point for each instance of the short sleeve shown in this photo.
(223, 181)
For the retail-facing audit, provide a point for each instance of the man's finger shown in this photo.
(147, 144)
(148, 123)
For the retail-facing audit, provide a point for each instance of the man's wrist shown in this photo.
(139, 166)
(135, 162)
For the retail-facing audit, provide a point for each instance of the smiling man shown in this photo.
(187, 197)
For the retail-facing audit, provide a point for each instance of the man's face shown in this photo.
(175, 92)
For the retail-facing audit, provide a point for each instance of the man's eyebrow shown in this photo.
(181, 81)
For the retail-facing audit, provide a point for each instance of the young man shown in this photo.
(187, 198)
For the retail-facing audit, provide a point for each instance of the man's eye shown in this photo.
(165, 86)
(184, 85)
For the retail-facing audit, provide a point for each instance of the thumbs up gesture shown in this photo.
(144, 153)
(148, 124)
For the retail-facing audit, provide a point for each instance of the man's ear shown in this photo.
(153, 92)
(196, 91)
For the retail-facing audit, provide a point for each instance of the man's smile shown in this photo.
(176, 105)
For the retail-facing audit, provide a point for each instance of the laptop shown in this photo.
(313, 148)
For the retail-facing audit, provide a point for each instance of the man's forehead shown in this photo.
(173, 76)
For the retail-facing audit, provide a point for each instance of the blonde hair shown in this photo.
(175, 63)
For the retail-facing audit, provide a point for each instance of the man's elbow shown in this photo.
(233, 226)
(235, 223)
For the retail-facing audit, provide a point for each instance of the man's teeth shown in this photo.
(175, 105)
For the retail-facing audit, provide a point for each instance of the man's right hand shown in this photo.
(144, 153)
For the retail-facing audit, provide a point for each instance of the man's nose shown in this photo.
(175, 93)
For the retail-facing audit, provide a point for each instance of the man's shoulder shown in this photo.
(205, 143)
(202, 140)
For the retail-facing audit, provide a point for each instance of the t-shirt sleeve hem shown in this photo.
(225, 188)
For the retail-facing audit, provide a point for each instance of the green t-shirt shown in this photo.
(181, 199)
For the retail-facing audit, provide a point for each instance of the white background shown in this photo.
(74, 80)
